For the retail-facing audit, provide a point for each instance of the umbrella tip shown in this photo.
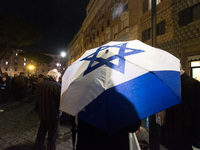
(107, 51)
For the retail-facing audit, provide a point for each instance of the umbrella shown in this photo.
(119, 83)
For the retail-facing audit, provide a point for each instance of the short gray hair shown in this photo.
(54, 73)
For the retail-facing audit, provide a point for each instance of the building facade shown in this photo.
(178, 28)
(16, 64)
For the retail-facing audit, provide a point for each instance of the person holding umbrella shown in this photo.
(181, 122)
(48, 98)
(91, 138)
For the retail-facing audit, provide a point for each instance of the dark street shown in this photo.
(19, 124)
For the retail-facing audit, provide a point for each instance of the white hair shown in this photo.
(181, 70)
(54, 73)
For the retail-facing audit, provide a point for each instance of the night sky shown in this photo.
(57, 20)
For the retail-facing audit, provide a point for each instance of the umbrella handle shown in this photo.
(133, 142)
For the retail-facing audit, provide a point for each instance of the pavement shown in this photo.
(19, 124)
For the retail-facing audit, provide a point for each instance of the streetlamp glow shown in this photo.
(58, 64)
(63, 54)
(31, 67)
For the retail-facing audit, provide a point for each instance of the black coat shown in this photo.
(183, 120)
(92, 138)
(48, 98)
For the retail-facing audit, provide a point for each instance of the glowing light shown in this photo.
(63, 54)
(31, 67)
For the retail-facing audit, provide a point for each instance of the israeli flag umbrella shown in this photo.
(119, 83)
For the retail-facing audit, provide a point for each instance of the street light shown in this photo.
(30, 68)
(63, 54)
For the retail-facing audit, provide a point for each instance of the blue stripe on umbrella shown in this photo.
(133, 100)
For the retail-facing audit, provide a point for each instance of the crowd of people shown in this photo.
(14, 88)
(179, 129)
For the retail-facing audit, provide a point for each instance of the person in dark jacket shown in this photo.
(181, 129)
(5, 82)
(48, 97)
(20, 86)
(13, 86)
(92, 138)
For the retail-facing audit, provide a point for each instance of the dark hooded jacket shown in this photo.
(183, 120)
(48, 98)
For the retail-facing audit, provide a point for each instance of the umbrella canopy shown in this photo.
(119, 83)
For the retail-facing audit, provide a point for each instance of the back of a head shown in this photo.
(54, 73)
(41, 76)
(4, 74)
(22, 74)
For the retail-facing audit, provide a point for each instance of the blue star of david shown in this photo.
(101, 61)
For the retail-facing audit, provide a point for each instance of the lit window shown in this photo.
(6, 62)
(147, 4)
(195, 69)
(24, 64)
(16, 54)
(24, 59)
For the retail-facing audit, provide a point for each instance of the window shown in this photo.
(6, 62)
(93, 36)
(108, 22)
(147, 4)
(97, 32)
(16, 54)
(146, 34)
(6, 69)
(24, 59)
(15, 63)
(196, 12)
(102, 28)
(102, 16)
(24, 64)
(108, 6)
(195, 69)
(15, 69)
(125, 6)
(161, 28)
(189, 15)
(115, 31)
(16, 59)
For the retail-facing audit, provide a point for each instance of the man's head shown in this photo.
(22, 74)
(15, 75)
(4, 74)
(54, 74)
